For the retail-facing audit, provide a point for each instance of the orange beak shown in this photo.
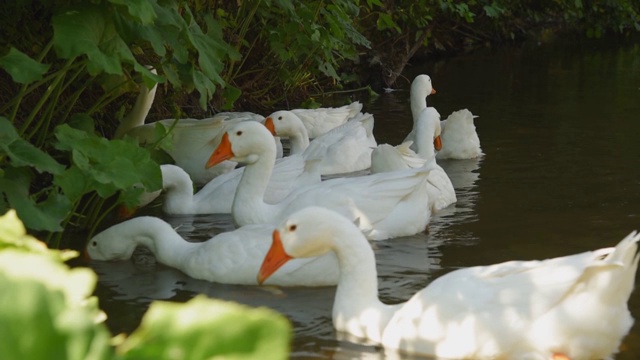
(268, 122)
(275, 258)
(437, 143)
(433, 91)
(221, 153)
(124, 212)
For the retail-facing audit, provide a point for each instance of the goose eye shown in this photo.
(95, 243)
(279, 117)
(293, 227)
(239, 133)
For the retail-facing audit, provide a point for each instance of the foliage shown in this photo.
(289, 45)
(404, 29)
(46, 308)
(57, 171)
(47, 312)
(205, 328)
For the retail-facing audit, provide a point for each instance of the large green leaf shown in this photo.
(107, 166)
(14, 235)
(46, 308)
(44, 215)
(74, 183)
(88, 29)
(205, 87)
(140, 9)
(22, 153)
(205, 328)
(21, 67)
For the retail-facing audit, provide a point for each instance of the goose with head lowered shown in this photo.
(343, 149)
(571, 307)
(385, 205)
(388, 158)
(231, 257)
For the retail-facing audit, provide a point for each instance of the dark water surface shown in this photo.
(560, 128)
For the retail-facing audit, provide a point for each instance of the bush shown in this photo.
(47, 312)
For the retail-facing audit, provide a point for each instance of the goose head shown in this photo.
(117, 242)
(284, 123)
(309, 232)
(244, 142)
(422, 86)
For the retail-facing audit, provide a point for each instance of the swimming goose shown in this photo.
(571, 307)
(343, 149)
(319, 121)
(216, 197)
(421, 87)
(231, 257)
(383, 159)
(385, 205)
(459, 137)
(460, 141)
(190, 138)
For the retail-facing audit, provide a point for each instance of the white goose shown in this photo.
(191, 139)
(385, 205)
(319, 121)
(216, 197)
(343, 149)
(421, 87)
(459, 137)
(572, 307)
(231, 257)
(427, 130)
(460, 140)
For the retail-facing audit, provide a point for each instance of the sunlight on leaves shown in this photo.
(205, 328)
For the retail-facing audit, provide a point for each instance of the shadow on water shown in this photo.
(559, 128)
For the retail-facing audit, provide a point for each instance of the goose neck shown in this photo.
(299, 142)
(248, 204)
(139, 112)
(179, 188)
(357, 309)
(165, 243)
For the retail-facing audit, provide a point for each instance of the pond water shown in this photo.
(559, 125)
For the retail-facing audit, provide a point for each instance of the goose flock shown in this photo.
(296, 228)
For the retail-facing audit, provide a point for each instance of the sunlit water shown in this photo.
(560, 129)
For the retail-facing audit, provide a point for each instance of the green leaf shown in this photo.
(74, 183)
(46, 215)
(13, 234)
(107, 166)
(46, 311)
(88, 29)
(385, 21)
(205, 328)
(205, 87)
(82, 121)
(140, 9)
(231, 94)
(22, 152)
(493, 10)
(21, 67)
(329, 70)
